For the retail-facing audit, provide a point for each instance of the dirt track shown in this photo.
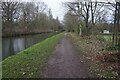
(65, 63)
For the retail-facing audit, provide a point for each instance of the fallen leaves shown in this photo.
(101, 63)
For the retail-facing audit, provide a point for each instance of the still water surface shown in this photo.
(13, 45)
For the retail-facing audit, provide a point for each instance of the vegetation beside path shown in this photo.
(92, 49)
(30, 62)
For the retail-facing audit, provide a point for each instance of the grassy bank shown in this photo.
(101, 63)
(30, 62)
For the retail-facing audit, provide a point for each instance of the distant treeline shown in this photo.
(28, 18)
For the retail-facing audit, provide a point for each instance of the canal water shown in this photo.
(13, 45)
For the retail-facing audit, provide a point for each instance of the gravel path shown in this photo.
(65, 63)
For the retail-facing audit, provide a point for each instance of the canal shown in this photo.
(13, 45)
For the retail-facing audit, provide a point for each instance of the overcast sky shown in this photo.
(56, 7)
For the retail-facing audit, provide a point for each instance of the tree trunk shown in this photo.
(115, 27)
(86, 27)
(80, 30)
(92, 15)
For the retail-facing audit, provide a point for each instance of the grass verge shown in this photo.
(30, 62)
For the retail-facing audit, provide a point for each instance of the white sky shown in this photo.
(56, 7)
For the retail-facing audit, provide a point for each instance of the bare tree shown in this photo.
(116, 6)
(9, 9)
(80, 9)
(71, 23)
(87, 12)
(96, 13)
(27, 17)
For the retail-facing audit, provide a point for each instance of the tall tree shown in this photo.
(9, 9)
(81, 9)
(116, 6)
(71, 23)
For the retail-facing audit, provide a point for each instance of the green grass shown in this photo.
(30, 62)
(105, 38)
(108, 39)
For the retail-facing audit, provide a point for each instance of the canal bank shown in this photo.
(13, 45)
(30, 62)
